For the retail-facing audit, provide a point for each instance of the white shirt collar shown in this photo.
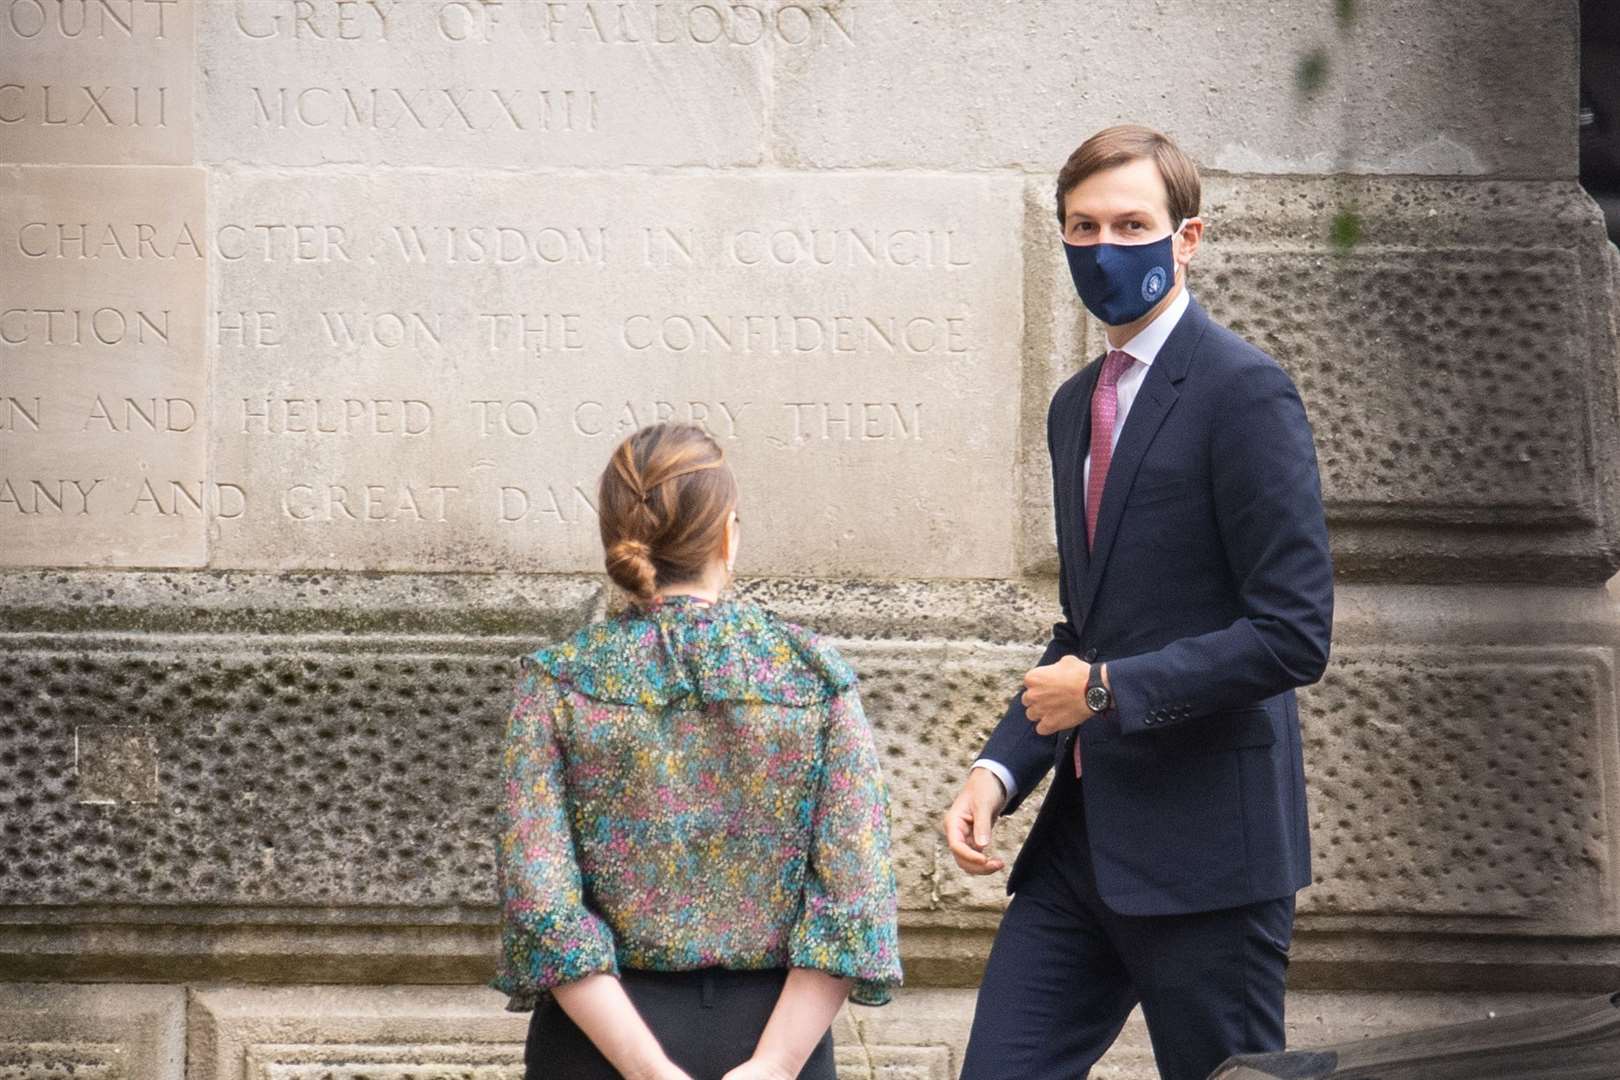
(1150, 339)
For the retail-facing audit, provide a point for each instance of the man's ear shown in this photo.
(1192, 234)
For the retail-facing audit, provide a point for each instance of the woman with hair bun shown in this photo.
(694, 838)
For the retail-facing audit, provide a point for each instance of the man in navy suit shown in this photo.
(1197, 593)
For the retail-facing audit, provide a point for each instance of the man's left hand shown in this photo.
(1055, 695)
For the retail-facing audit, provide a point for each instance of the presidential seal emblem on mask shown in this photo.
(1153, 284)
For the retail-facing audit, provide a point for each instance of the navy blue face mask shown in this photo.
(1119, 283)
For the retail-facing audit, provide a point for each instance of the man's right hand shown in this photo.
(969, 821)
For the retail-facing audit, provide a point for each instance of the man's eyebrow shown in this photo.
(1137, 211)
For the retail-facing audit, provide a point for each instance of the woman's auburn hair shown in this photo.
(663, 502)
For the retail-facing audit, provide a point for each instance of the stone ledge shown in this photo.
(1014, 611)
(405, 951)
(236, 601)
(542, 606)
(92, 1032)
(352, 1032)
(367, 1030)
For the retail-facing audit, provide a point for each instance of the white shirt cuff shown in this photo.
(999, 771)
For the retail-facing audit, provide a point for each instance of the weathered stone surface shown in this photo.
(382, 791)
(1392, 98)
(414, 374)
(435, 1033)
(51, 1032)
(74, 601)
(1454, 783)
(104, 403)
(139, 1032)
(1490, 740)
(1460, 388)
(97, 82)
(932, 707)
(385, 778)
(365, 365)
(504, 84)
(115, 763)
(923, 1033)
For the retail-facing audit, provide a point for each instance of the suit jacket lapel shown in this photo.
(1076, 510)
(1153, 403)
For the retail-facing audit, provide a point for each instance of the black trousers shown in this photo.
(1066, 970)
(708, 1022)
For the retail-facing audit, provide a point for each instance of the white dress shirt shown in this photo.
(1144, 347)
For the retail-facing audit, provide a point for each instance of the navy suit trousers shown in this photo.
(1066, 970)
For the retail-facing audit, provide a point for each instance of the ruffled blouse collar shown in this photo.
(683, 646)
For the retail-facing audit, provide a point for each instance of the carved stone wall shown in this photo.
(318, 319)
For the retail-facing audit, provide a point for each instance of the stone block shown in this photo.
(115, 763)
(333, 739)
(922, 1035)
(97, 82)
(49, 1031)
(991, 612)
(932, 707)
(382, 788)
(528, 607)
(1241, 87)
(508, 84)
(104, 404)
(1059, 339)
(430, 371)
(1457, 387)
(300, 1033)
(1459, 782)
(383, 783)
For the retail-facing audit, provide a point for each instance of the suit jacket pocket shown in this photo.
(1220, 731)
(1156, 491)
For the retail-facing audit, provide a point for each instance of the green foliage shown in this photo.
(1311, 71)
(1346, 228)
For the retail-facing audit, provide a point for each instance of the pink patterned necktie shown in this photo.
(1104, 411)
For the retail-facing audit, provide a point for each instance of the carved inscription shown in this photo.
(57, 497)
(103, 400)
(469, 108)
(568, 22)
(437, 381)
(105, 325)
(107, 240)
(64, 105)
(502, 82)
(105, 413)
(96, 81)
(84, 20)
(336, 416)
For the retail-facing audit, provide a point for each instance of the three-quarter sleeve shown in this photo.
(847, 926)
(549, 935)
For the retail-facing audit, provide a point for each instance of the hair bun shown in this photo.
(630, 565)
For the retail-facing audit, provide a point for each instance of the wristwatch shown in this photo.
(1098, 698)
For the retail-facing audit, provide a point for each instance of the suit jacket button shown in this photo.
(1091, 656)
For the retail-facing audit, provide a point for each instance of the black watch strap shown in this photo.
(1095, 682)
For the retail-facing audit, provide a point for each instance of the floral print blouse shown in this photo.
(689, 785)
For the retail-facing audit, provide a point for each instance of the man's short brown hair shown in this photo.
(1123, 144)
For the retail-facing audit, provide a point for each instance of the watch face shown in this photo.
(1097, 698)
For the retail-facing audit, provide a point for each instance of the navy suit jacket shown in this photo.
(1210, 597)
